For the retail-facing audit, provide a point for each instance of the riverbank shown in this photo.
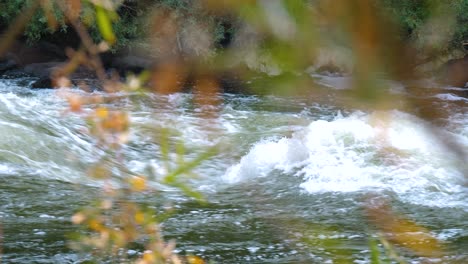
(43, 59)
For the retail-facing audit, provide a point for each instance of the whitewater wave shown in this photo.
(379, 151)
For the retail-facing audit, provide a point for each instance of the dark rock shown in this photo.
(233, 85)
(455, 72)
(43, 83)
(330, 70)
(6, 65)
(131, 63)
(83, 73)
(47, 69)
(43, 69)
(43, 51)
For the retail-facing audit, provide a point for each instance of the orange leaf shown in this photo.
(75, 103)
(195, 260)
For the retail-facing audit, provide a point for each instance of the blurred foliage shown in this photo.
(275, 37)
(116, 223)
(130, 18)
(412, 16)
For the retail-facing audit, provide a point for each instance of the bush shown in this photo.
(412, 16)
(129, 22)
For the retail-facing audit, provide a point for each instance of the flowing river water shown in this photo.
(287, 185)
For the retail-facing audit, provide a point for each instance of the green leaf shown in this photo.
(185, 168)
(104, 21)
(374, 251)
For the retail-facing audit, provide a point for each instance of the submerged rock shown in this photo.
(43, 83)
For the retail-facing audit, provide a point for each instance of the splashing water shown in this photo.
(380, 151)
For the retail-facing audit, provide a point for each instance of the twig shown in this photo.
(88, 43)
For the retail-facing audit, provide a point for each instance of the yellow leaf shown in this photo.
(102, 112)
(138, 183)
(140, 217)
(95, 225)
(148, 257)
(195, 260)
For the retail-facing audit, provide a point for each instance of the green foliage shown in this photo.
(461, 30)
(129, 26)
(10, 9)
(412, 15)
(409, 15)
(193, 12)
(38, 26)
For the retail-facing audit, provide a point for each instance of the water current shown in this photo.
(291, 174)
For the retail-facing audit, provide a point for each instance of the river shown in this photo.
(291, 175)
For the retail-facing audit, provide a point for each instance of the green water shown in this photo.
(284, 188)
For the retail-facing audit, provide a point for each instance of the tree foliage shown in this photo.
(413, 16)
(130, 21)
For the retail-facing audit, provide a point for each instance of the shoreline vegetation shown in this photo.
(212, 46)
(225, 44)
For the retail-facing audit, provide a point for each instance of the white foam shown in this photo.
(450, 97)
(383, 150)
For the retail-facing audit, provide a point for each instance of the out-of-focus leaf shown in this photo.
(164, 144)
(390, 251)
(99, 171)
(104, 21)
(165, 79)
(180, 150)
(75, 102)
(171, 177)
(195, 260)
(138, 183)
(324, 238)
(102, 112)
(374, 250)
(404, 232)
(375, 256)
